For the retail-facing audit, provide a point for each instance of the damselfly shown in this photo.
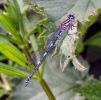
(67, 24)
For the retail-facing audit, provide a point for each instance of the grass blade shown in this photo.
(12, 52)
(9, 26)
(15, 41)
(10, 70)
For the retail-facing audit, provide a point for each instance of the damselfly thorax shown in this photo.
(68, 23)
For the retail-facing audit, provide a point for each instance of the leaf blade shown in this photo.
(7, 69)
(12, 52)
(9, 26)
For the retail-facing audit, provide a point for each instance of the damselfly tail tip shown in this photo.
(26, 82)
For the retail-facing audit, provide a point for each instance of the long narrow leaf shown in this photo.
(95, 36)
(95, 42)
(2, 57)
(10, 39)
(12, 52)
(7, 69)
(19, 16)
(9, 26)
(10, 10)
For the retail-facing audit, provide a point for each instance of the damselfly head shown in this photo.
(72, 17)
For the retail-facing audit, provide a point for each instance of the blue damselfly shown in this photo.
(67, 24)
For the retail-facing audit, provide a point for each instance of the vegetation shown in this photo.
(24, 29)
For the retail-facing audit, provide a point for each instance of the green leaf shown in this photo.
(90, 90)
(12, 52)
(80, 47)
(94, 40)
(10, 10)
(83, 28)
(9, 26)
(10, 39)
(2, 57)
(10, 70)
(23, 5)
(20, 17)
(1, 92)
(97, 35)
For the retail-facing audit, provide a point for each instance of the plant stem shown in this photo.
(28, 54)
(5, 84)
(47, 89)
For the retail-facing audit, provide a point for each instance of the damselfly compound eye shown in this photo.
(71, 17)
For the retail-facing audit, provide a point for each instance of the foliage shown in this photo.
(27, 26)
(14, 45)
(90, 89)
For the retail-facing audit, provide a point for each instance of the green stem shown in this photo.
(28, 54)
(47, 89)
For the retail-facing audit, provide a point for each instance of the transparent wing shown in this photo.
(51, 39)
